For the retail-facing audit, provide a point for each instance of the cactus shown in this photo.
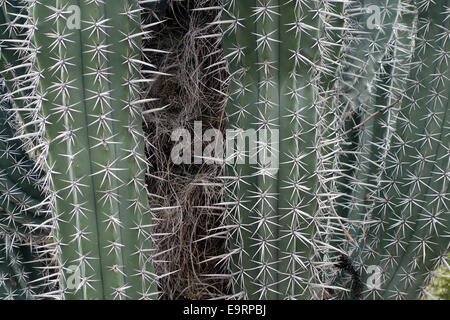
(23, 270)
(346, 171)
(24, 219)
(404, 230)
(87, 57)
(282, 57)
(23, 212)
(336, 155)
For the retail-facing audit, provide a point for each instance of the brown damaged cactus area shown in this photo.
(189, 242)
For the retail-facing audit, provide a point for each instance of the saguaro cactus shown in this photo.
(279, 54)
(342, 191)
(401, 189)
(88, 61)
(386, 174)
(22, 201)
(23, 272)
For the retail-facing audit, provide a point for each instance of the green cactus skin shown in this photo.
(22, 270)
(405, 216)
(276, 67)
(89, 93)
(365, 48)
(283, 239)
(23, 213)
(15, 66)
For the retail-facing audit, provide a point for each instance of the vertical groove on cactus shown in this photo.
(189, 237)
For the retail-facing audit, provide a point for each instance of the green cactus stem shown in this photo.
(23, 212)
(88, 56)
(401, 185)
(282, 57)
